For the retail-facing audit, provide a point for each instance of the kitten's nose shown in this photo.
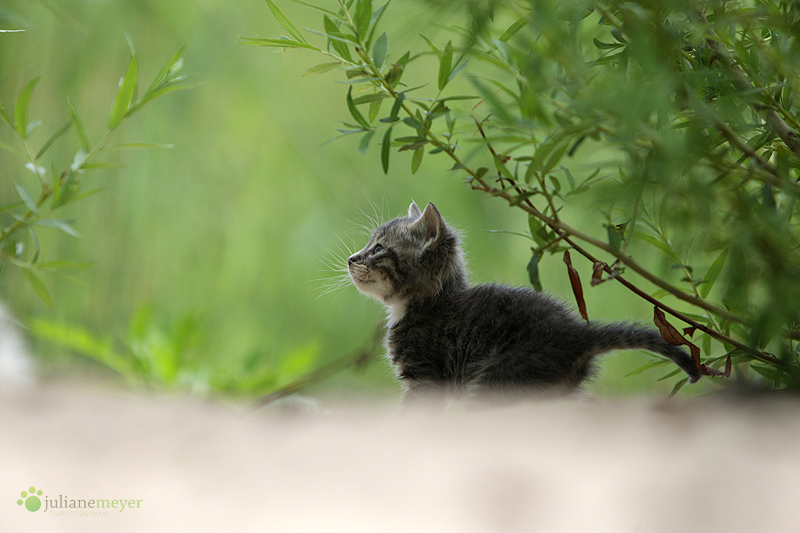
(351, 259)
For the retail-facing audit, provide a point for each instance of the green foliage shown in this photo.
(59, 183)
(151, 355)
(679, 117)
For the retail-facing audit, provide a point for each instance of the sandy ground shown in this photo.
(634, 466)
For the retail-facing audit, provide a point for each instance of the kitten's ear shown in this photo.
(413, 210)
(430, 224)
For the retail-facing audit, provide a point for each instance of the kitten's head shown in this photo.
(409, 258)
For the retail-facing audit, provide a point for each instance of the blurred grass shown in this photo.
(233, 225)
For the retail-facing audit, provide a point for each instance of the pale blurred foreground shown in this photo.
(579, 465)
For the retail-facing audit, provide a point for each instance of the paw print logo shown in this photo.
(30, 499)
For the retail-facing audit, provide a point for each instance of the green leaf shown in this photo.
(363, 18)
(281, 42)
(538, 231)
(61, 131)
(11, 205)
(646, 366)
(376, 17)
(26, 198)
(513, 29)
(379, 50)
(370, 98)
(445, 65)
(80, 340)
(335, 39)
(614, 239)
(556, 155)
(37, 249)
(125, 94)
(385, 146)
(5, 116)
(136, 146)
(322, 68)
(363, 144)
(413, 122)
(63, 225)
(4, 146)
(167, 73)
(713, 273)
(321, 10)
(663, 247)
(38, 287)
(772, 374)
(416, 159)
(396, 107)
(678, 386)
(285, 22)
(452, 75)
(533, 271)
(605, 46)
(375, 106)
(21, 108)
(356, 114)
(79, 129)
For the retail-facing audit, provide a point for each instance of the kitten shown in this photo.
(447, 337)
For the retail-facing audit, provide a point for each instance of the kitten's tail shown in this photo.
(625, 337)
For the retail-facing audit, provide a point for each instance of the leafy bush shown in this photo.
(680, 118)
(57, 183)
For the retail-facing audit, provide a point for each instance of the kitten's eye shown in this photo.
(377, 249)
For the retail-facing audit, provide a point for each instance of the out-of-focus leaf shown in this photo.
(30, 203)
(125, 94)
(385, 148)
(59, 132)
(379, 50)
(614, 240)
(277, 43)
(62, 225)
(79, 129)
(713, 273)
(21, 108)
(38, 287)
(6, 147)
(445, 65)
(663, 247)
(678, 386)
(137, 146)
(416, 159)
(513, 29)
(363, 144)
(285, 22)
(533, 271)
(398, 102)
(322, 68)
(375, 107)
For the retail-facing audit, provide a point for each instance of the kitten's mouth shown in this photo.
(359, 275)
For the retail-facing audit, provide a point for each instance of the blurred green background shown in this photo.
(231, 234)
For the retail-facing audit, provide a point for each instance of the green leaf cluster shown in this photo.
(60, 183)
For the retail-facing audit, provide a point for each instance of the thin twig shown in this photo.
(358, 359)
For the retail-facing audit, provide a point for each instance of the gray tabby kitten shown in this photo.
(446, 336)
